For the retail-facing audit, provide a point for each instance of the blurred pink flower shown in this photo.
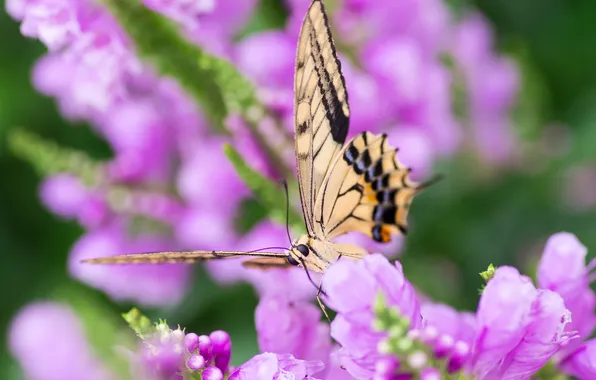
(187, 13)
(53, 22)
(208, 179)
(268, 366)
(286, 327)
(33, 337)
(491, 83)
(149, 285)
(461, 326)
(66, 196)
(267, 59)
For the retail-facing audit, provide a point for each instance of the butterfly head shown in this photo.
(303, 254)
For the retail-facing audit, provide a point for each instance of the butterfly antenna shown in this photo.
(287, 210)
(267, 249)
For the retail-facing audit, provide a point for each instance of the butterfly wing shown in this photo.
(267, 263)
(181, 257)
(367, 190)
(321, 118)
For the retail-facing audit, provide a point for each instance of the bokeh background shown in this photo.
(474, 217)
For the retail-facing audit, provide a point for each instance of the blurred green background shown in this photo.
(504, 219)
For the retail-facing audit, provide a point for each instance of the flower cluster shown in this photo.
(382, 328)
(169, 353)
(517, 329)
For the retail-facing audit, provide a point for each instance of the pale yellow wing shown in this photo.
(181, 257)
(267, 263)
(367, 190)
(321, 111)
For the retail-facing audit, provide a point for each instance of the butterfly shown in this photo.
(358, 186)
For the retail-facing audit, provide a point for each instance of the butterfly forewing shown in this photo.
(321, 108)
(181, 257)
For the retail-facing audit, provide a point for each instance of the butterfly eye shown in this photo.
(292, 260)
(303, 249)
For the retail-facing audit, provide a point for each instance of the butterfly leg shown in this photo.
(321, 305)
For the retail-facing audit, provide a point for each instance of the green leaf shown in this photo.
(266, 191)
(488, 273)
(49, 158)
(139, 323)
(238, 93)
(159, 42)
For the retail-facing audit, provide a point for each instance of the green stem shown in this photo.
(159, 42)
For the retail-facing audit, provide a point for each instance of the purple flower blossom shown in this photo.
(208, 165)
(417, 86)
(299, 323)
(66, 196)
(518, 327)
(206, 228)
(562, 269)
(582, 362)
(268, 366)
(492, 85)
(128, 282)
(461, 326)
(63, 194)
(34, 332)
(141, 139)
(53, 22)
(186, 12)
(171, 354)
(351, 288)
(268, 59)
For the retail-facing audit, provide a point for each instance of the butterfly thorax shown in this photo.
(311, 253)
(317, 254)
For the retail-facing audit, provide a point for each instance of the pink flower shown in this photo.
(562, 269)
(268, 366)
(54, 22)
(351, 289)
(150, 285)
(34, 332)
(491, 85)
(582, 362)
(267, 59)
(518, 327)
(295, 328)
(461, 326)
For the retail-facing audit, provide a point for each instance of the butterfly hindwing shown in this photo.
(267, 263)
(321, 107)
(367, 190)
